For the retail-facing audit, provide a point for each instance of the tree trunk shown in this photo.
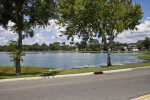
(108, 58)
(18, 67)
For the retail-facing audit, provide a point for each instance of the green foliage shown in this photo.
(15, 54)
(94, 45)
(54, 46)
(122, 49)
(146, 43)
(25, 15)
(99, 18)
(139, 46)
(44, 47)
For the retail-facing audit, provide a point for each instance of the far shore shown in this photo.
(89, 51)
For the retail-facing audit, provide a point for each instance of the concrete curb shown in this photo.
(70, 75)
(44, 77)
(115, 71)
(141, 68)
(23, 79)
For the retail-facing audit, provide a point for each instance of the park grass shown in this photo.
(9, 71)
(147, 57)
(27, 71)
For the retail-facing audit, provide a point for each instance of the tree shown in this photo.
(139, 46)
(71, 43)
(44, 47)
(54, 46)
(122, 49)
(36, 47)
(15, 54)
(94, 45)
(26, 15)
(82, 45)
(99, 18)
(146, 43)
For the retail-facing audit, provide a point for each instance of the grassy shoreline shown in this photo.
(147, 57)
(7, 72)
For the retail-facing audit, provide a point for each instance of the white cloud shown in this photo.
(15, 39)
(148, 17)
(10, 24)
(142, 32)
(3, 41)
(52, 34)
(76, 39)
(4, 32)
(53, 37)
(39, 38)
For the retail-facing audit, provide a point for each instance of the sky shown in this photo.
(51, 33)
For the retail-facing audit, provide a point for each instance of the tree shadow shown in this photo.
(33, 73)
(50, 73)
(5, 76)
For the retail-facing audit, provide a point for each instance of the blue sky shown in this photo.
(51, 33)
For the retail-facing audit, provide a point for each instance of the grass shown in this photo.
(9, 72)
(147, 57)
(28, 71)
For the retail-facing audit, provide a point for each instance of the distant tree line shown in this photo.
(144, 44)
(44, 47)
(93, 45)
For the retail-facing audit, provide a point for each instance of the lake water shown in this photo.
(70, 60)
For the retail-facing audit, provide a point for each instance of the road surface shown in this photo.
(114, 86)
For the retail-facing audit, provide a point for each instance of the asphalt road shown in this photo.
(116, 86)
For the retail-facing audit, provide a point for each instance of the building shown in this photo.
(132, 47)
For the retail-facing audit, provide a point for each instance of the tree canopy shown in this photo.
(99, 18)
(26, 15)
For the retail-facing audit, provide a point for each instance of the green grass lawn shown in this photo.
(9, 71)
(27, 71)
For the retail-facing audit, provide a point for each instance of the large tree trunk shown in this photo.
(18, 66)
(108, 58)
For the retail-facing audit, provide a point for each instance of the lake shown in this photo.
(71, 60)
